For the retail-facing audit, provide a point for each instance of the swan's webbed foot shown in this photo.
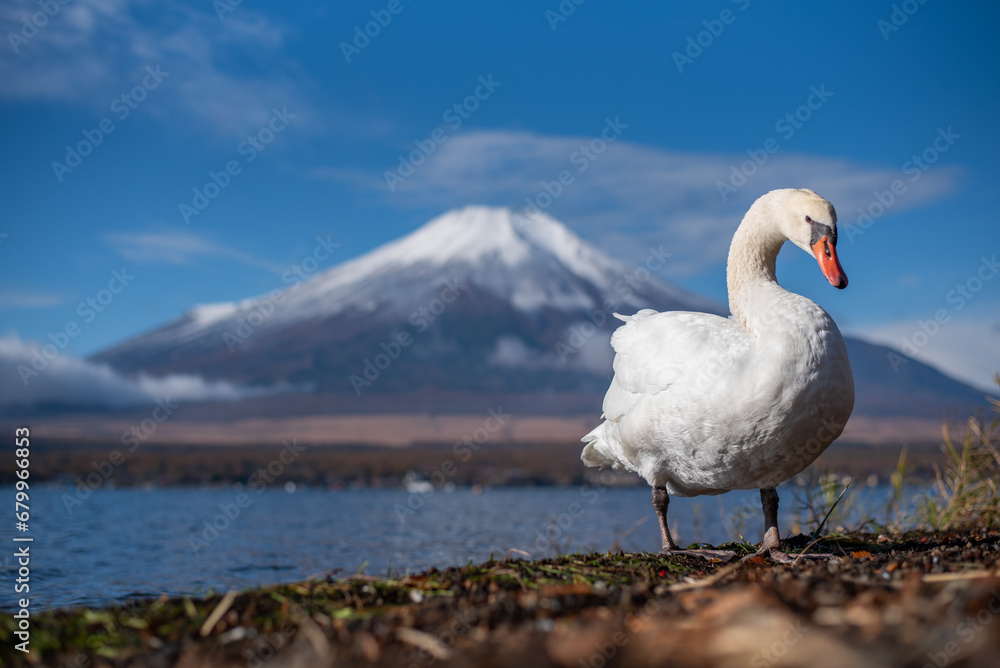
(660, 502)
(779, 556)
(775, 554)
(708, 555)
(770, 548)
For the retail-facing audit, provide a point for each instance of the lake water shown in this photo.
(127, 543)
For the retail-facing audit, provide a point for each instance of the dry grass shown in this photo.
(965, 492)
(963, 495)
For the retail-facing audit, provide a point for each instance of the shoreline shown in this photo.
(907, 600)
(542, 463)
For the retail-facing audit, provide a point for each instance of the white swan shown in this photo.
(701, 404)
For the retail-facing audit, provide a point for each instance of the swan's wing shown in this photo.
(676, 349)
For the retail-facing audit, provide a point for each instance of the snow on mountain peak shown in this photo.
(526, 258)
(475, 233)
(467, 234)
(204, 315)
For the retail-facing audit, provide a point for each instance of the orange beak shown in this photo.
(826, 255)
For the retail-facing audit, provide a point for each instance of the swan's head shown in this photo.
(810, 222)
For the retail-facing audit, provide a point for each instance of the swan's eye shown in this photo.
(810, 220)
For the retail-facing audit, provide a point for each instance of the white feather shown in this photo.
(702, 404)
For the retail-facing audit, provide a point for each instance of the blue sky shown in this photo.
(837, 97)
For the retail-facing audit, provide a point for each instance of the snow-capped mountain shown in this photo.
(479, 302)
(480, 298)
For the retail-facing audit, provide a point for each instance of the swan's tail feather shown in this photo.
(638, 317)
(599, 450)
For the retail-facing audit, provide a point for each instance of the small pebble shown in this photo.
(233, 635)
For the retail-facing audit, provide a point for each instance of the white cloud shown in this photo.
(178, 247)
(596, 353)
(966, 348)
(581, 348)
(21, 299)
(73, 381)
(93, 51)
(511, 351)
(631, 195)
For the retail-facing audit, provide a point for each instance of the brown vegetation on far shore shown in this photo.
(392, 430)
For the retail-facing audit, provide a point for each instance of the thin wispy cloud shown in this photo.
(630, 195)
(92, 51)
(27, 299)
(178, 247)
(70, 380)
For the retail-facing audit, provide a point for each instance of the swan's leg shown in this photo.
(660, 502)
(771, 545)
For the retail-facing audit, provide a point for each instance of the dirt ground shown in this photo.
(917, 600)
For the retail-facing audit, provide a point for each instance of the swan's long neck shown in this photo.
(750, 268)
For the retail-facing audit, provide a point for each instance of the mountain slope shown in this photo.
(479, 299)
(887, 382)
